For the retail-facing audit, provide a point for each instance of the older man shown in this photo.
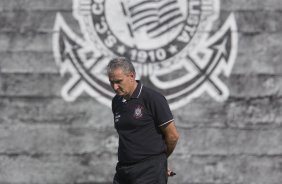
(145, 125)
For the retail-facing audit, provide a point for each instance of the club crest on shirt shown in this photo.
(173, 44)
(138, 112)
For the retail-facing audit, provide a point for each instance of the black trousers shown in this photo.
(150, 171)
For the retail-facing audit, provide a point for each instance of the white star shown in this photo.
(172, 49)
(121, 50)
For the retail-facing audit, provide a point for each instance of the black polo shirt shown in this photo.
(138, 121)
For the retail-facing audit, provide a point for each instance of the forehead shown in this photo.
(117, 73)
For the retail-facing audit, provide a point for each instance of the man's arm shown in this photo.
(171, 136)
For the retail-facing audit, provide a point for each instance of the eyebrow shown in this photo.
(115, 81)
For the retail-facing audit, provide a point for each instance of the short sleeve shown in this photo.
(159, 109)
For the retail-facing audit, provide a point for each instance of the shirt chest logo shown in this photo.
(138, 112)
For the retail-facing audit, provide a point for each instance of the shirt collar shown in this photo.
(138, 90)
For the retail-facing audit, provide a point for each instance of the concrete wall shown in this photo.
(45, 140)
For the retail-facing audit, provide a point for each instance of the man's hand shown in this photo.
(170, 173)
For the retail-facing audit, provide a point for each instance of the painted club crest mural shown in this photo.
(173, 44)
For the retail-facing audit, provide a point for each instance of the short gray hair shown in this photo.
(120, 62)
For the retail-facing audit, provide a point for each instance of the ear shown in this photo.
(132, 75)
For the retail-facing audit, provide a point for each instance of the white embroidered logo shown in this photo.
(138, 113)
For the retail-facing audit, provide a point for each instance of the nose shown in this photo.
(115, 86)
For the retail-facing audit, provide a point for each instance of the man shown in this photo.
(145, 125)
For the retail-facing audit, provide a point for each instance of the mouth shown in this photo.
(119, 92)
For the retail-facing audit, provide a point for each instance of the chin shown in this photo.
(119, 93)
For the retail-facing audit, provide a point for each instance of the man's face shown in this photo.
(122, 83)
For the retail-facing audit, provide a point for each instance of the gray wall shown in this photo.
(44, 139)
